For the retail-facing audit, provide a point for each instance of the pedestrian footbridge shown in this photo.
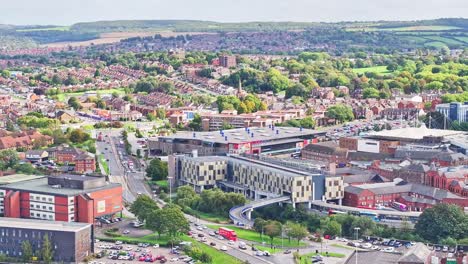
(241, 215)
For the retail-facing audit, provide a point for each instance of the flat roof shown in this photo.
(241, 135)
(41, 186)
(414, 133)
(18, 178)
(42, 224)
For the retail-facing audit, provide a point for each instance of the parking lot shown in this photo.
(125, 253)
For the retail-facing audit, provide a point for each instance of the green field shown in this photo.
(63, 96)
(66, 28)
(462, 39)
(253, 236)
(419, 28)
(376, 69)
(435, 44)
(448, 41)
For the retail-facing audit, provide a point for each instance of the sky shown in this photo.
(67, 12)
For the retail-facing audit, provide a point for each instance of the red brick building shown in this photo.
(70, 198)
(325, 151)
(349, 143)
(85, 162)
(417, 197)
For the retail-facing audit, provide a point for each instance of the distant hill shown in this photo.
(186, 26)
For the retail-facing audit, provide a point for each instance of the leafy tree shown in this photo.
(27, 251)
(196, 123)
(47, 251)
(340, 112)
(370, 93)
(272, 230)
(73, 102)
(442, 221)
(333, 228)
(259, 225)
(79, 136)
(151, 117)
(449, 242)
(25, 168)
(175, 222)
(275, 81)
(155, 221)
(143, 206)
(157, 170)
(8, 159)
(296, 231)
(307, 122)
(186, 195)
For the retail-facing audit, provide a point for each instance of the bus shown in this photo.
(227, 233)
(333, 212)
(371, 215)
(399, 206)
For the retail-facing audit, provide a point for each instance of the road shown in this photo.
(132, 180)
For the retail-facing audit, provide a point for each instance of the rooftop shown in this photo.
(244, 135)
(17, 178)
(414, 133)
(42, 224)
(41, 186)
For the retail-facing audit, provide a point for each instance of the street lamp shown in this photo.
(357, 237)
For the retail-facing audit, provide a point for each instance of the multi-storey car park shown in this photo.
(249, 140)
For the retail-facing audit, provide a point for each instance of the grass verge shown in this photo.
(103, 161)
(253, 236)
(307, 258)
(218, 256)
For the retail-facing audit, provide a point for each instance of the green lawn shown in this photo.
(63, 96)
(253, 236)
(218, 256)
(306, 259)
(209, 217)
(377, 69)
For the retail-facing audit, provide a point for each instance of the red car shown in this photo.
(160, 257)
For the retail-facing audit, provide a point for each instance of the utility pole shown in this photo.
(430, 119)
(445, 121)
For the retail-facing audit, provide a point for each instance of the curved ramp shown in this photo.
(238, 213)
